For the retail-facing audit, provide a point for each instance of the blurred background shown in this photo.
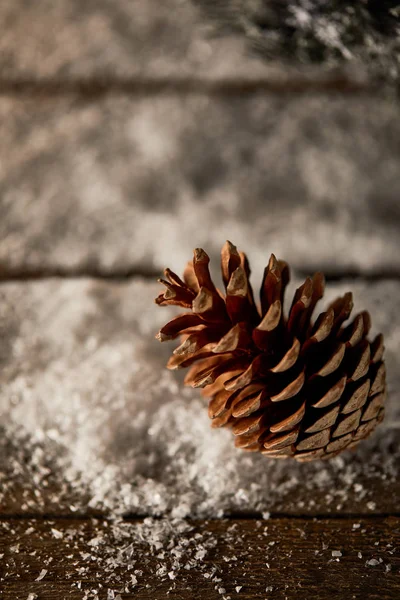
(134, 130)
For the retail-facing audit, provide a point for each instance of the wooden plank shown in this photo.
(144, 41)
(92, 421)
(125, 184)
(244, 559)
(315, 32)
(119, 40)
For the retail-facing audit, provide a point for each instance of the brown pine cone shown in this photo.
(286, 386)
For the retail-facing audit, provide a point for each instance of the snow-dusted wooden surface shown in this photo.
(130, 133)
(94, 427)
(242, 559)
(127, 40)
(123, 183)
(83, 373)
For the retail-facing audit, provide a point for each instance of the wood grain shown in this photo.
(131, 39)
(277, 558)
(125, 39)
(122, 113)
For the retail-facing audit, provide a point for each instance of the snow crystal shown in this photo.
(372, 562)
(57, 534)
(336, 553)
(42, 575)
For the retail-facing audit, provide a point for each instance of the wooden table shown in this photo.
(329, 527)
(311, 556)
(125, 140)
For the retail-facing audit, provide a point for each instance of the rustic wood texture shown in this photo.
(117, 184)
(130, 133)
(245, 559)
(132, 39)
(122, 40)
(364, 36)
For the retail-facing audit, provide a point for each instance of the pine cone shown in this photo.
(287, 387)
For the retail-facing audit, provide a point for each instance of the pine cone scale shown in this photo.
(356, 398)
(333, 393)
(324, 421)
(377, 349)
(287, 423)
(285, 386)
(347, 424)
(291, 389)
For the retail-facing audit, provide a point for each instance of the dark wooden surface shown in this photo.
(275, 558)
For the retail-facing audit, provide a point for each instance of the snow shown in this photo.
(41, 575)
(91, 419)
(372, 562)
(328, 32)
(87, 405)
